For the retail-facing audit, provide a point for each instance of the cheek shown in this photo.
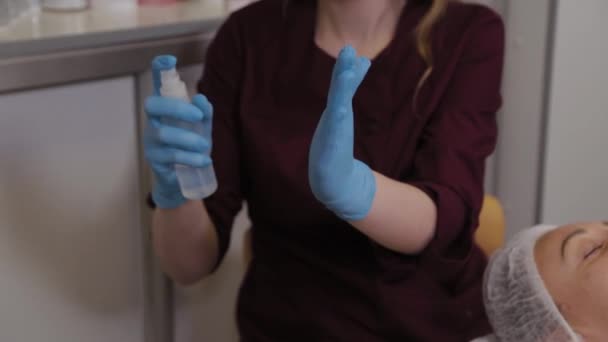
(595, 287)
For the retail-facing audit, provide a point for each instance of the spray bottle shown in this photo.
(195, 183)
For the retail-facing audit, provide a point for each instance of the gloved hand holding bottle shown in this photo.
(342, 183)
(177, 137)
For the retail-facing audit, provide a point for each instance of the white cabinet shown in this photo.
(519, 151)
(70, 250)
(552, 161)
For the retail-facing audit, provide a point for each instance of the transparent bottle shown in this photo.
(195, 183)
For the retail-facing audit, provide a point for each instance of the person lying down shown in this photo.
(550, 284)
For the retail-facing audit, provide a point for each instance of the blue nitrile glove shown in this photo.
(343, 184)
(165, 145)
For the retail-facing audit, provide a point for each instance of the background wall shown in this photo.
(576, 160)
(519, 151)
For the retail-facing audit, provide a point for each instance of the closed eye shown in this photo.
(594, 250)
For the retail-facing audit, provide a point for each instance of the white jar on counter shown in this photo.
(65, 5)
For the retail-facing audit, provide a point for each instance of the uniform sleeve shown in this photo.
(461, 133)
(220, 83)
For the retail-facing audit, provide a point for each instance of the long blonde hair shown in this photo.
(424, 43)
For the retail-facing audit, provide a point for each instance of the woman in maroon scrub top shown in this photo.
(381, 249)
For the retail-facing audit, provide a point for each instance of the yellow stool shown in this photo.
(490, 234)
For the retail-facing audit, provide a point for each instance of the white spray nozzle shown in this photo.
(172, 85)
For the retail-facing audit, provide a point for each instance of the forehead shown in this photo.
(555, 236)
(551, 241)
(547, 256)
(547, 251)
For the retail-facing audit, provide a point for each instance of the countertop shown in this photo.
(107, 22)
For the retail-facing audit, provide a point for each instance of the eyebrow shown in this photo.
(568, 238)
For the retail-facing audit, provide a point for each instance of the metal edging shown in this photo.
(157, 289)
(546, 107)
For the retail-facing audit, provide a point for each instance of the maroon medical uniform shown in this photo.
(314, 277)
